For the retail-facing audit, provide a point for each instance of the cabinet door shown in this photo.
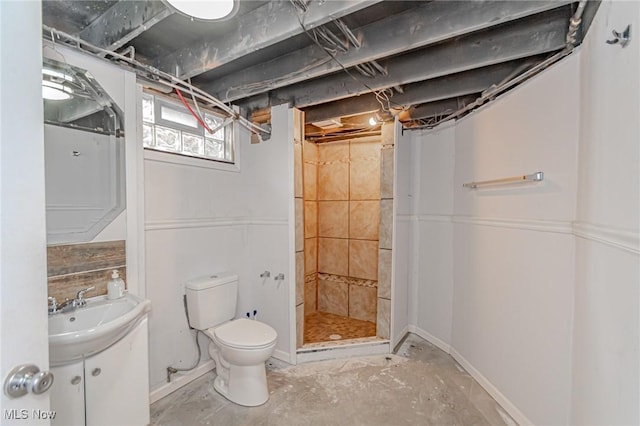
(67, 395)
(117, 382)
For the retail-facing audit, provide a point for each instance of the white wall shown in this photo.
(434, 153)
(545, 304)
(513, 248)
(201, 220)
(23, 264)
(494, 268)
(606, 366)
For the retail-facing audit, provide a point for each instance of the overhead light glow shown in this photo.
(55, 91)
(57, 74)
(207, 10)
(372, 121)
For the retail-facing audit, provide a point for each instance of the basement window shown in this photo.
(168, 126)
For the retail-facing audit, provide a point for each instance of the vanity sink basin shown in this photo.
(93, 328)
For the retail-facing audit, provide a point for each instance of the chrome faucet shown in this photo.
(80, 301)
(66, 306)
(69, 304)
(52, 305)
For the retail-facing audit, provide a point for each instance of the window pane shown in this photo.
(147, 109)
(167, 139)
(184, 118)
(192, 144)
(213, 122)
(229, 151)
(147, 135)
(214, 149)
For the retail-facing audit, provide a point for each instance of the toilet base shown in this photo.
(247, 385)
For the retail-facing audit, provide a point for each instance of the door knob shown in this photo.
(27, 378)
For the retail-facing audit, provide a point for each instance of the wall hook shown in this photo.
(265, 274)
(621, 38)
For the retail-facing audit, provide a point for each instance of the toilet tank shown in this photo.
(211, 300)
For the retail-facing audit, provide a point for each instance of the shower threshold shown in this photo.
(343, 349)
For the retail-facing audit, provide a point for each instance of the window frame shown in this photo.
(153, 153)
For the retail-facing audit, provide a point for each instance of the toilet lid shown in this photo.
(245, 333)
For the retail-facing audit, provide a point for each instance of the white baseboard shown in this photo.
(441, 344)
(282, 356)
(179, 380)
(504, 402)
(399, 336)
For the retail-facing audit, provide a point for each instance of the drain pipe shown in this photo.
(574, 26)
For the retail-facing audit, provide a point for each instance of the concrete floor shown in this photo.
(420, 385)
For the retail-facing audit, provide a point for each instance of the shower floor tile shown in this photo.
(323, 327)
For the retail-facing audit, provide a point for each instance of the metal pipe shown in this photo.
(574, 24)
(137, 66)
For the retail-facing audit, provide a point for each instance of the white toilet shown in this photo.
(239, 347)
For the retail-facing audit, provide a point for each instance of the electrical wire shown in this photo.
(380, 97)
(494, 91)
(195, 102)
(196, 116)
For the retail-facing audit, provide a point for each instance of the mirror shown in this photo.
(84, 154)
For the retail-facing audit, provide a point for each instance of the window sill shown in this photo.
(183, 160)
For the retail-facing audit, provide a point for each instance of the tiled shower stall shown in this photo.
(344, 199)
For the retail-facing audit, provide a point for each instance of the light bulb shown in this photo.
(372, 121)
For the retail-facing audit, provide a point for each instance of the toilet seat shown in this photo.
(245, 334)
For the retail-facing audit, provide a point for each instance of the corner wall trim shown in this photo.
(441, 344)
(555, 226)
(282, 356)
(623, 239)
(504, 402)
(180, 381)
(210, 222)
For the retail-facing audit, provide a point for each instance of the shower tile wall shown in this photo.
(385, 231)
(310, 177)
(300, 224)
(348, 198)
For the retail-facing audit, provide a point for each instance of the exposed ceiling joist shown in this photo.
(437, 109)
(432, 23)
(123, 22)
(544, 33)
(429, 54)
(450, 86)
(258, 29)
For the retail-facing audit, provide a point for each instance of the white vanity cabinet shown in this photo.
(110, 388)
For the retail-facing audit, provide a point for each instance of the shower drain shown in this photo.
(335, 337)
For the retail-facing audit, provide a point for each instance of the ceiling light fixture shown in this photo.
(206, 10)
(372, 121)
